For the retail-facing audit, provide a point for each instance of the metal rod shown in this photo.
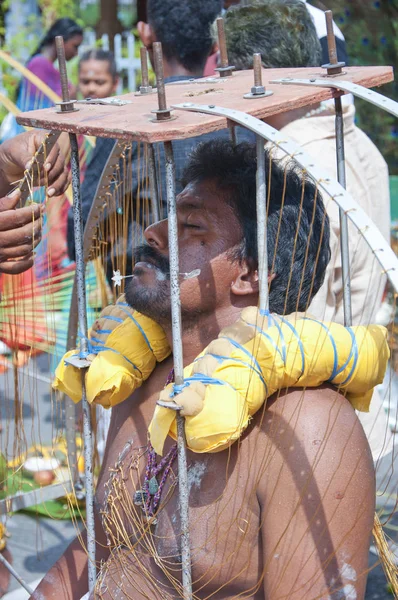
(178, 369)
(222, 42)
(344, 245)
(13, 572)
(82, 324)
(257, 68)
(331, 38)
(158, 65)
(153, 184)
(59, 42)
(144, 67)
(83, 331)
(232, 132)
(70, 434)
(261, 204)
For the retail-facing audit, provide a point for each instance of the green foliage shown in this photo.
(371, 32)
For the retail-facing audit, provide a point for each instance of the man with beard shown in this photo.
(285, 512)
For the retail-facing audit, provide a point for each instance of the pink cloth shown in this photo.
(45, 70)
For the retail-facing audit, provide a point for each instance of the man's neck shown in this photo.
(205, 329)
(173, 68)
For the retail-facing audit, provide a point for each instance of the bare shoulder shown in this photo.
(316, 491)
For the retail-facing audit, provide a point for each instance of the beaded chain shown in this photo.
(149, 496)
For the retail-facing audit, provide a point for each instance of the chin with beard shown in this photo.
(152, 301)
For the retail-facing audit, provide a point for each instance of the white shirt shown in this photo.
(368, 183)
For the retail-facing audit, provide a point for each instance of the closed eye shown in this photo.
(191, 226)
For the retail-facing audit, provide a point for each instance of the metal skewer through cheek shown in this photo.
(67, 106)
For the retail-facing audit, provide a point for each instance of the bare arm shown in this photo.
(317, 498)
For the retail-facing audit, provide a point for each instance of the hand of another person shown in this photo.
(20, 233)
(16, 156)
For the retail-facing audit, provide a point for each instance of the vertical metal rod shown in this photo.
(257, 66)
(261, 204)
(331, 38)
(70, 430)
(13, 572)
(158, 65)
(83, 331)
(144, 67)
(232, 132)
(82, 323)
(341, 177)
(59, 43)
(153, 184)
(178, 369)
(344, 245)
(222, 42)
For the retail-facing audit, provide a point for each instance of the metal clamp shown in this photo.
(104, 101)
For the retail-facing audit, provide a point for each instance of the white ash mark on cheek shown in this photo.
(196, 472)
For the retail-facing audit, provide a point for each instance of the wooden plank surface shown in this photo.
(134, 121)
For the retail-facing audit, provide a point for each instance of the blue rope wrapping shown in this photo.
(300, 343)
(122, 305)
(112, 318)
(336, 358)
(240, 347)
(205, 379)
(102, 332)
(220, 358)
(354, 348)
(282, 352)
(93, 349)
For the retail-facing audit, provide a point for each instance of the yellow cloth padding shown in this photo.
(134, 348)
(300, 353)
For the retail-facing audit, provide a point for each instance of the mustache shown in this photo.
(150, 254)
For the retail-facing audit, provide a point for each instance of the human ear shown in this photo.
(115, 84)
(146, 34)
(247, 282)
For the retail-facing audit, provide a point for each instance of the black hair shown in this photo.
(184, 29)
(297, 222)
(99, 54)
(65, 27)
(281, 30)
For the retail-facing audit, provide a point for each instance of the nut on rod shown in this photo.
(258, 89)
(67, 105)
(334, 67)
(225, 69)
(163, 113)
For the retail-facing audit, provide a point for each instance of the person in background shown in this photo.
(269, 29)
(41, 64)
(98, 76)
(318, 17)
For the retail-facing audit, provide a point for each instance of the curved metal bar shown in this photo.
(347, 86)
(90, 229)
(365, 226)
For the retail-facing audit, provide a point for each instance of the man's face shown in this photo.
(208, 233)
(95, 80)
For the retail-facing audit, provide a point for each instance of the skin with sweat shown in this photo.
(285, 513)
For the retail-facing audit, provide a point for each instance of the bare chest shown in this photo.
(223, 513)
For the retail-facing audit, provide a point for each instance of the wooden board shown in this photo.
(134, 121)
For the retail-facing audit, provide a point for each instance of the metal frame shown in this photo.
(375, 240)
(359, 91)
